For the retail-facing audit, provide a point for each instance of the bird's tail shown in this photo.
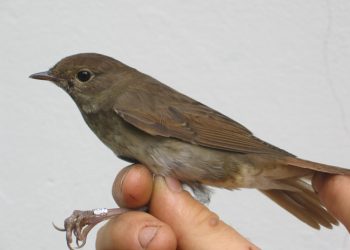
(302, 202)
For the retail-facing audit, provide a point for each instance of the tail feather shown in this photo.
(313, 202)
(316, 210)
(293, 161)
(303, 204)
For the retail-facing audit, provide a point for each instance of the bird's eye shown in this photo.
(84, 75)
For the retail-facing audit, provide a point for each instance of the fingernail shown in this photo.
(146, 235)
(173, 184)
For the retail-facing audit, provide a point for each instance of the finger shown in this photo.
(135, 231)
(132, 187)
(195, 226)
(334, 192)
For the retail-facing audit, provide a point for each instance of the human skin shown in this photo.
(334, 193)
(177, 221)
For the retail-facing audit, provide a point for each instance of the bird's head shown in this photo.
(86, 76)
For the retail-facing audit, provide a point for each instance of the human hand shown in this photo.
(334, 193)
(175, 220)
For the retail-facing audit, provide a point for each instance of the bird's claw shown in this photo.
(80, 224)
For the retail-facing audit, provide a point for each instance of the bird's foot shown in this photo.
(80, 223)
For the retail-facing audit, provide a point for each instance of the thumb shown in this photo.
(195, 226)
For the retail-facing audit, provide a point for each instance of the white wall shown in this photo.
(279, 67)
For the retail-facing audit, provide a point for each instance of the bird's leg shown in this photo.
(81, 222)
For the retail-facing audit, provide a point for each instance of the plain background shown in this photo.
(281, 68)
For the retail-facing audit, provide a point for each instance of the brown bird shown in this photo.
(142, 120)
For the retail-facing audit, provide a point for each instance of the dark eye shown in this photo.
(84, 75)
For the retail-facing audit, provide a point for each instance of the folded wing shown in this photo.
(158, 111)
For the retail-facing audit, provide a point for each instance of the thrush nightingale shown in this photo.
(143, 120)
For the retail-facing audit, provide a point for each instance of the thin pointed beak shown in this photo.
(46, 75)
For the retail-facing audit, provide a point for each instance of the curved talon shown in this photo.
(80, 243)
(77, 242)
(86, 231)
(83, 243)
(58, 228)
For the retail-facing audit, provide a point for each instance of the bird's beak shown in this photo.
(46, 75)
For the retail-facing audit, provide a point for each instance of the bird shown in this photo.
(145, 121)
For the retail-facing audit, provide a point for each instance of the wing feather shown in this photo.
(159, 110)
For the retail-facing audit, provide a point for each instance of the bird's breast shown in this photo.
(109, 128)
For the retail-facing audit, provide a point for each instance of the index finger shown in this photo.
(132, 187)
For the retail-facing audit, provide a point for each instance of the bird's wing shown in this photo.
(158, 111)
